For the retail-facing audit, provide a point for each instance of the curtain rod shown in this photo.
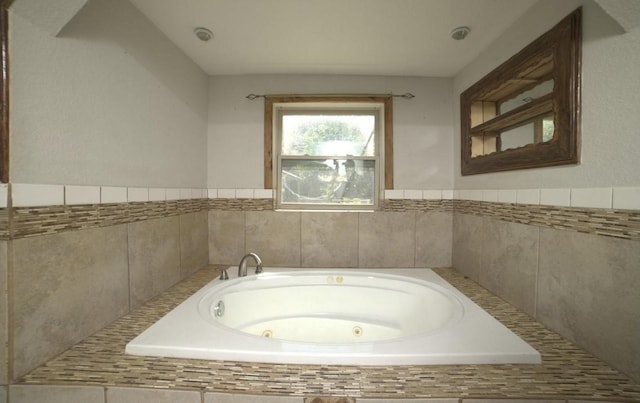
(406, 95)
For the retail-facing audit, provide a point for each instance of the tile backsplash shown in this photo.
(30, 195)
(4, 193)
(623, 198)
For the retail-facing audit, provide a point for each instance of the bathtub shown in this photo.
(333, 316)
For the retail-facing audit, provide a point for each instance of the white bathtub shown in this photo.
(333, 316)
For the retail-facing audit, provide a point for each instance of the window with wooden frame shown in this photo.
(328, 152)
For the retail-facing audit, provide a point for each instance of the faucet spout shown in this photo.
(242, 267)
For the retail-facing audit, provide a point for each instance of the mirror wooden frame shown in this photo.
(564, 42)
(4, 90)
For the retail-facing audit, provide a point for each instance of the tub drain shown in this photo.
(357, 331)
(267, 333)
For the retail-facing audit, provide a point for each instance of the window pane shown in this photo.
(350, 182)
(335, 135)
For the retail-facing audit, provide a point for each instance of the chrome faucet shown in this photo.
(242, 267)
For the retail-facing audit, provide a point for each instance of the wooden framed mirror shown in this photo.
(526, 112)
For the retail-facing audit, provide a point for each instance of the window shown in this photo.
(327, 153)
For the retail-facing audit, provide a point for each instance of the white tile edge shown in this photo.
(601, 197)
(4, 195)
(35, 195)
(74, 194)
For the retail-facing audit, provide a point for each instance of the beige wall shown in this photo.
(422, 137)
(290, 239)
(109, 101)
(583, 286)
(610, 88)
(97, 105)
(68, 285)
(4, 313)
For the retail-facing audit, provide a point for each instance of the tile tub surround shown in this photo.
(582, 285)
(69, 282)
(66, 287)
(409, 238)
(33, 221)
(4, 314)
(41, 220)
(194, 251)
(567, 372)
(618, 225)
(154, 257)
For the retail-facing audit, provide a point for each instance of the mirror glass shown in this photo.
(525, 113)
(540, 89)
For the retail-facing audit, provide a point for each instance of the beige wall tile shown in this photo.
(588, 401)
(56, 394)
(274, 236)
(387, 239)
(588, 292)
(327, 399)
(3, 394)
(66, 286)
(4, 312)
(510, 262)
(194, 246)
(467, 244)
(226, 236)
(154, 257)
(420, 400)
(329, 239)
(434, 232)
(229, 398)
(513, 401)
(139, 395)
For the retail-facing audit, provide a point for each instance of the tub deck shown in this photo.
(566, 372)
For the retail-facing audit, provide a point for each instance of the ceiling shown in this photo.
(363, 37)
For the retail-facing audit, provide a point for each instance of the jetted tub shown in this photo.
(333, 316)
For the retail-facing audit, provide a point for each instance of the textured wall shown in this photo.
(109, 101)
(581, 285)
(71, 283)
(423, 126)
(4, 314)
(610, 88)
(380, 239)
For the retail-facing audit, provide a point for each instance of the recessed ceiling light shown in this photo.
(460, 33)
(203, 34)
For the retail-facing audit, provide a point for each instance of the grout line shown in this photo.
(300, 242)
(181, 270)
(126, 237)
(10, 319)
(415, 239)
(358, 239)
(536, 285)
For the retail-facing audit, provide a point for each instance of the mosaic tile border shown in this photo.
(4, 224)
(401, 205)
(566, 372)
(622, 224)
(33, 221)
